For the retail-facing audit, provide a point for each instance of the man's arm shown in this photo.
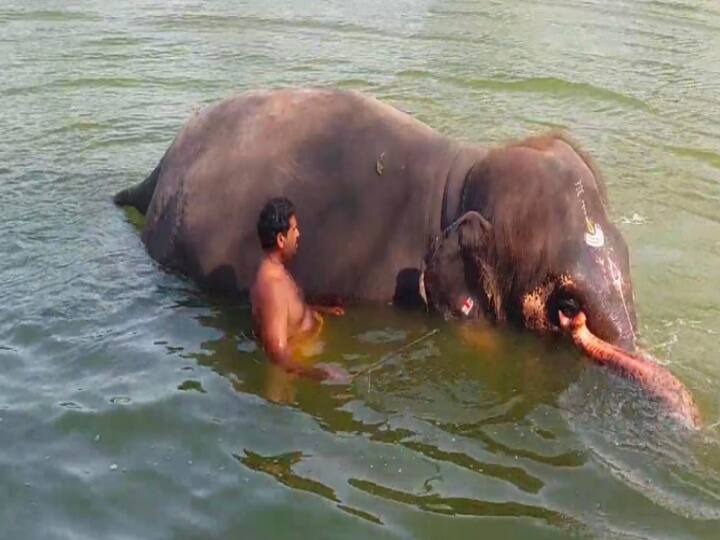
(326, 304)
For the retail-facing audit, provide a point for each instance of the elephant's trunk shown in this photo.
(656, 379)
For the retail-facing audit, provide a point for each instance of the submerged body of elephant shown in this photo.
(521, 231)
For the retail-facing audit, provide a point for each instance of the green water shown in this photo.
(134, 406)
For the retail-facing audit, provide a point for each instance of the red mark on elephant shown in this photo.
(467, 306)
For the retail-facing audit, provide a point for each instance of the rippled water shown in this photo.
(134, 406)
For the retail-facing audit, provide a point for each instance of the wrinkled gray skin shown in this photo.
(522, 247)
(368, 182)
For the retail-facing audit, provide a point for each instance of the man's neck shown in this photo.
(275, 258)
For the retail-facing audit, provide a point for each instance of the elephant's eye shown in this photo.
(565, 300)
(568, 305)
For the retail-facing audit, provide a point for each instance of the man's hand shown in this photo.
(334, 373)
(327, 373)
(330, 310)
(336, 310)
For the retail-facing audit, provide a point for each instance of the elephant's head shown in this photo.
(533, 245)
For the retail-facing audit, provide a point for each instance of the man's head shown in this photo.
(278, 228)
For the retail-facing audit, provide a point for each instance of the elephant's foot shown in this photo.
(655, 378)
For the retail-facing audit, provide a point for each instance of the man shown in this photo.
(279, 311)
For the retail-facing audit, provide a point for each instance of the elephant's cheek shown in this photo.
(534, 310)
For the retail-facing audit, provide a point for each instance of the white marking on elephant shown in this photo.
(467, 306)
(379, 165)
(617, 281)
(580, 191)
(594, 237)
(421, 288)
(614, 281)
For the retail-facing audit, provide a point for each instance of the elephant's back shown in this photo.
(340, 156)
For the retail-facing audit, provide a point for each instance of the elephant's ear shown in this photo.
(473, 234)
(474, 240)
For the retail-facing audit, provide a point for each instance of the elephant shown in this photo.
(533, 245)
(392, 210)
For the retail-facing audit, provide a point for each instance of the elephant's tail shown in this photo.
(140, 195)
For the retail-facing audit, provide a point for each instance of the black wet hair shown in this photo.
(274, 219)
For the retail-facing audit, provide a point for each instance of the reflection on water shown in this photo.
(651, 453)
(467, 409)
(280, 467)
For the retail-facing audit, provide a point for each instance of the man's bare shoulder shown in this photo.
(270, 282)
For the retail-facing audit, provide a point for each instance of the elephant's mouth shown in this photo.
(653, 377)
